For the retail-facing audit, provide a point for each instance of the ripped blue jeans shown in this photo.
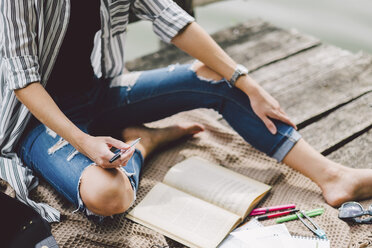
(133, 99)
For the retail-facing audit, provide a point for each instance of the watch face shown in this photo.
(242, 70)
(239, 71)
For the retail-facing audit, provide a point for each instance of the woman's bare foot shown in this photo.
(152, 138)
(348, 184)
(337, 182)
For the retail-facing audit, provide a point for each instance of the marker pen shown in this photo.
(270, 216)
(265, 210)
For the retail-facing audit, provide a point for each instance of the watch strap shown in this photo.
(239, 71)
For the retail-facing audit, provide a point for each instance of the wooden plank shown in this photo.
(338, 127)
(254, 44)
(313, 82)
(357, 153)
(269, 48)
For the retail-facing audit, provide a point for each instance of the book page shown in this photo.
(182, 217)
(216, 184)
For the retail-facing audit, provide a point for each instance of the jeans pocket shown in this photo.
(119, 16)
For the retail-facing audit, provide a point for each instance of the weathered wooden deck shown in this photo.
(326, 90)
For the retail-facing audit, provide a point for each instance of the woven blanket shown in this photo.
(218, 144)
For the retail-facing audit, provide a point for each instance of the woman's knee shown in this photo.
(203, 71)
(106, 191)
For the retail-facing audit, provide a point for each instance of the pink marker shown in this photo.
(259, 211)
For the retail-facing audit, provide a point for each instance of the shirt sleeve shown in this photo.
(167, 17)
(18, 47)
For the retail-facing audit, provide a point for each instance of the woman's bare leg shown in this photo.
(153, 138)
(337, 182)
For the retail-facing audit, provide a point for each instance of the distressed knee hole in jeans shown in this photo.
(204, 73)
(90, 214)
(72, 155)
(50, 132)
(59, 145)
(81, 206)
(126, 80)
(172, 67)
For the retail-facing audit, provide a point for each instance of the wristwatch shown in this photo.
(239, 71)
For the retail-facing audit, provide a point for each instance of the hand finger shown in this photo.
(269, 124)
(128, 153)
(123, 159)
(287, 120)
(116, 143)
(282, 111)
(104, 159)
(127, 156)
(114, 164)
(286, 115)
(108, 165)
(284, 118)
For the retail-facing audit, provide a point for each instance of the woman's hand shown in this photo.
(98, 150)
(263, 104)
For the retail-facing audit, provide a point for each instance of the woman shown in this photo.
(88, 95)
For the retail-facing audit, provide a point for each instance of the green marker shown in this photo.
(310, 213)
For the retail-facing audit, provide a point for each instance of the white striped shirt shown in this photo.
(31, 33)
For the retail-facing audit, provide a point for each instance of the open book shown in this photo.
(198, 203)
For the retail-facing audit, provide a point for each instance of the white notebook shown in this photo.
(254, 235)
(232, 242)
(276, 236)
(310, 242)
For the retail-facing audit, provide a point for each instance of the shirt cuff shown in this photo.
(170, 22)
(21, 71)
